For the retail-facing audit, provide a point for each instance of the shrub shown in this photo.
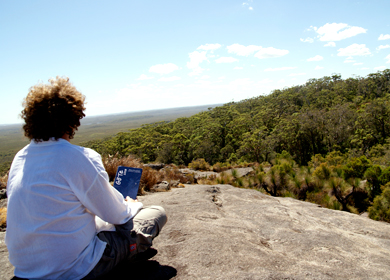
(356, 167)
(296, 184)
(286, 167)
(373, 175)
(224, 178)
(148, 179)
(380, 210)
(199, 164)
(340, 189)
(335, 205)
(171, 172)
(385, 176)
(219, 167)
(260, 178)
(320, 198)
(239, 182)
(335, 158)
(233, 158)
(3, 181)
(287, 193)
(234, 173)
(316, 160)
(284, 155)
(250, 181)
(338, 169)
(322, 172)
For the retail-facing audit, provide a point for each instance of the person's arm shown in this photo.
(90, 183)
(105, 201)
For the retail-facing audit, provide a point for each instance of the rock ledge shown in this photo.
(223, 232)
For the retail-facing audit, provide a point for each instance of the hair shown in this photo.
(52, 110)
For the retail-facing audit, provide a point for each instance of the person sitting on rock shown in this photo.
(65, 220)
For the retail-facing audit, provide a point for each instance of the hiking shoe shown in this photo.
(144, 256)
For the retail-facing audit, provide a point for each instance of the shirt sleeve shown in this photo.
(89, 182)
(105, 201)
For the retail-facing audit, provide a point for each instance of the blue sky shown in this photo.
(141, 55)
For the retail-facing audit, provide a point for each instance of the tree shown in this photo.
(380, 209)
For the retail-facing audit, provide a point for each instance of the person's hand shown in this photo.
(129, 199)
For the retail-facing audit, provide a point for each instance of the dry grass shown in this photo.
(3, 217)
(149, 177)
(171, 173)
(111, 164)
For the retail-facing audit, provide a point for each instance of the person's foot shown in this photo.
(144, 256)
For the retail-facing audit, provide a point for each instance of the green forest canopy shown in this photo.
(324, 115)
(315, 142)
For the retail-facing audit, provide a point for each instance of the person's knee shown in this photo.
(161, 217)
(151, 217)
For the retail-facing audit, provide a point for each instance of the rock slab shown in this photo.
(223, 232)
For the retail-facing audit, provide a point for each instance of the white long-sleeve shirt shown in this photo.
(55, 190)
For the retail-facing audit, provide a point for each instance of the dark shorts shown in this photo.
(129, 239)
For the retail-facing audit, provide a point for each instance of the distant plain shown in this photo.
(97, 127)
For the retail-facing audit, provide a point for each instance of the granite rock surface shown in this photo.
(223, 232)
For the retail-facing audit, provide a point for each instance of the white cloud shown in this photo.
(297, 74)
(205, 77)
(247, 4)
(330, 44)
(337, 31)
(318, 68)
(242, 50)
(307, 40)
(226, 60)
(380, 68)
(238, 68)
(144, 77)
(349, 60)
(270, 52)
(354, 50)
(209, 47)
(169, 79)
(279, 69)
(384, 37)
(163, 68)
(315, 58)
(259, 51)
(381, 47)
(195, 59)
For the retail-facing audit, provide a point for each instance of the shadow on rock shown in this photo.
(146, 270)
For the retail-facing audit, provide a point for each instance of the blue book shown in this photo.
(127, 181)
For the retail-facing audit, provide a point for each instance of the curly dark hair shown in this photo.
(52, 110)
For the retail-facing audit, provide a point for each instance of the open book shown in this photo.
(127, 181)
